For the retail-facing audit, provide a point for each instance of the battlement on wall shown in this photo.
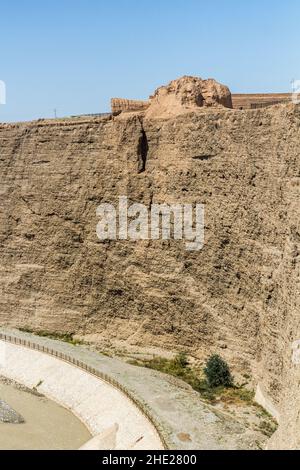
(119, 105)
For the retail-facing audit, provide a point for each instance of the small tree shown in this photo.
(217, 372)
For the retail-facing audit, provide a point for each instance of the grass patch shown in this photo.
(262, 413)
(268, 427)
(228, 395)
(66, 337)
(179, 367)
(197, 379)
(236, 395)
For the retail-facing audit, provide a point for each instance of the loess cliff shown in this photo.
(238, 296)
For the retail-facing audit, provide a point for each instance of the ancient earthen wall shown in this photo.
(239, 296)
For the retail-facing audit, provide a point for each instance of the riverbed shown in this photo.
(47, 424)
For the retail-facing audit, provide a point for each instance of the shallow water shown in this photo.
(47, 425)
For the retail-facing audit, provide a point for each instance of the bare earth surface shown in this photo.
(47, 425)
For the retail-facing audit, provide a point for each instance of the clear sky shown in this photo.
(74, 55)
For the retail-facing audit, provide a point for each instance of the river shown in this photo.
(47, 424)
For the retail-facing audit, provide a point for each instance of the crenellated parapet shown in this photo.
(118, 105)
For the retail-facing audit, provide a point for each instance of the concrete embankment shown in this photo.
(99, 405)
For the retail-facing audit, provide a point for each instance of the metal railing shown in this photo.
(91, 370)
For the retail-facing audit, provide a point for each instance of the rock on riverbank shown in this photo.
(8, 415)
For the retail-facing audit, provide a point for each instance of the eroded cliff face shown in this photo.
(238, 296)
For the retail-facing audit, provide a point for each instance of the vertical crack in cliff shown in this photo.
(143, 149)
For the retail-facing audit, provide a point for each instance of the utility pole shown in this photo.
(293, 82)
(55, 114)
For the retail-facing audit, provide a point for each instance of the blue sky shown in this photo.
(74, 55)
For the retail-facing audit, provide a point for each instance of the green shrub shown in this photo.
(178, 366)
(181, 360)
(217, 372)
